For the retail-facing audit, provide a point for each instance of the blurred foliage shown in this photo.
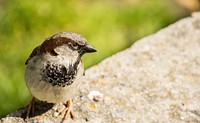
(108, 25)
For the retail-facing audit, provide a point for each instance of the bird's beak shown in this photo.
(89, 49)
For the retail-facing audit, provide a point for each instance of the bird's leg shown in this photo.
(69, 110)
(31, 108)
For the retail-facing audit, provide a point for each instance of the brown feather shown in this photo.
(50, 44)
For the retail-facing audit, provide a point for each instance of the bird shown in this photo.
(54, 70)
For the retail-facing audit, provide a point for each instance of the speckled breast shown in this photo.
(59, 74)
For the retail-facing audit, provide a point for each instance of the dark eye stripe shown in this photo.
(74, 45)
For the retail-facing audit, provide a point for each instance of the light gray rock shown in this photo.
(155, 80)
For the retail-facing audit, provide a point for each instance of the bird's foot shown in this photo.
(30, 108)
(68, 110)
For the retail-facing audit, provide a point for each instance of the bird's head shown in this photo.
(68, 44)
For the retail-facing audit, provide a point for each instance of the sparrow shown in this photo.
(54, 69)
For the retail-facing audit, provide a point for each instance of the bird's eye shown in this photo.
(73, 45)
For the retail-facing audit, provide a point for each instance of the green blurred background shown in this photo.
(109, 25)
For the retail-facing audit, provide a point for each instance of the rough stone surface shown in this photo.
(155, 80)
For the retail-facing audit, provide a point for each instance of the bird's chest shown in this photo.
(51, 80)
(58, 74)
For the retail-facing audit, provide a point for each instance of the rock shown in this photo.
(155, 80)
(95, 96)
